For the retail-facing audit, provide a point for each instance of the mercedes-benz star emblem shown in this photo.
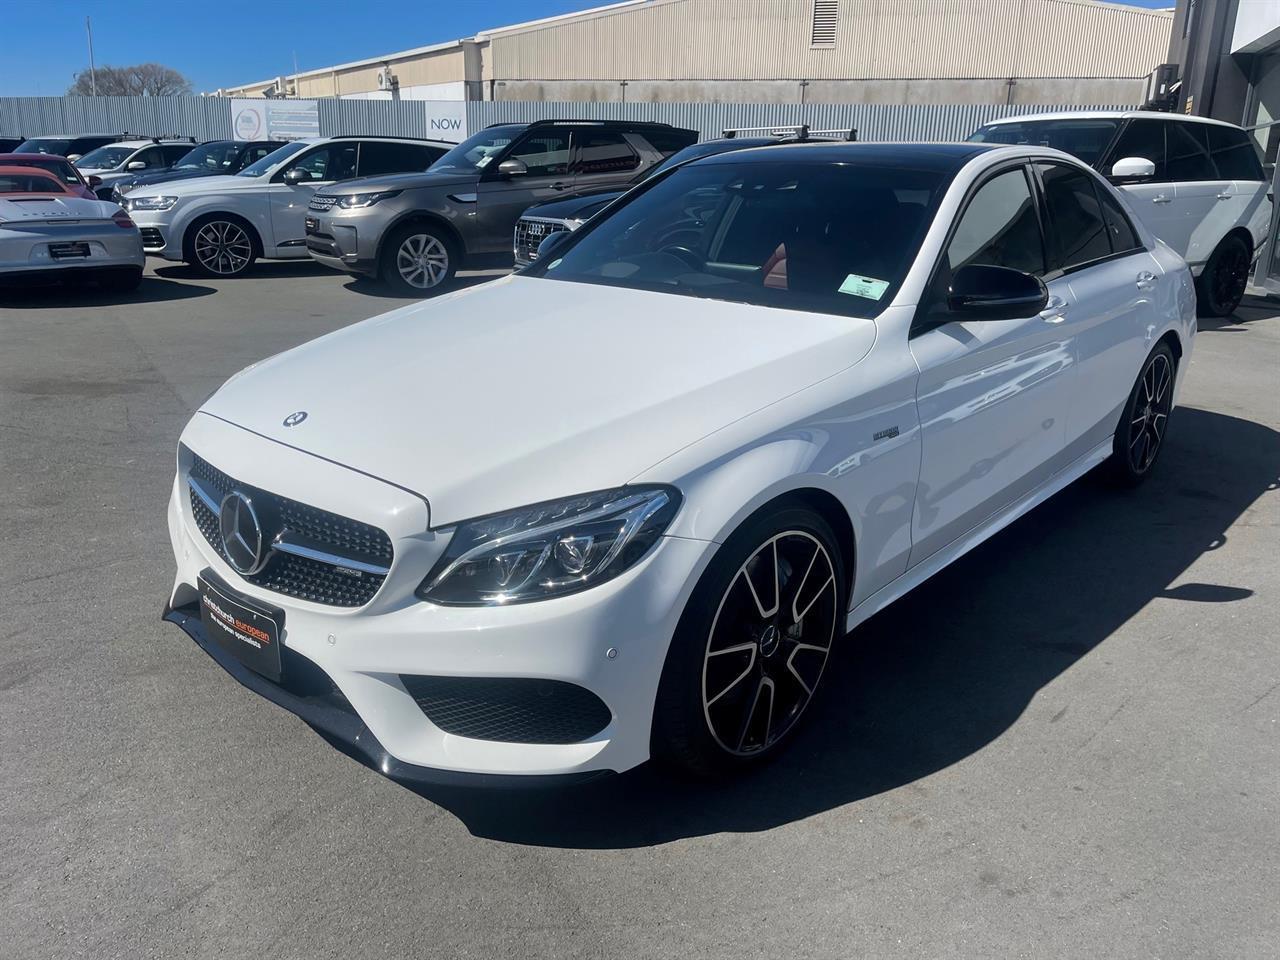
(293, 419)
(242, 538)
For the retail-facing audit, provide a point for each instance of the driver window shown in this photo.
(332, 162)
(545, 153)
(151, 156)
(999, 228)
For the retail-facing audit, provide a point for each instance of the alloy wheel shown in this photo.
(769, 642)
(1150, 414)
(1231, 276)
(422, 261)
(223, 247)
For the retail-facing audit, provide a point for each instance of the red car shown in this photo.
(60, 167)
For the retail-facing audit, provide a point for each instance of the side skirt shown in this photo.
(925, 569)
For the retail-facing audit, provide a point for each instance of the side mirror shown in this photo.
(550, 242)
(296, 175)
(1133, 168)
(982, 292)
(73, 157)
(94, 181)
(134, 165)
(512, 168)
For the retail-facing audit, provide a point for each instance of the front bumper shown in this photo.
(342, 242)
(611, 640)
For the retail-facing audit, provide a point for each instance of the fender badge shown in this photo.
(881, 435)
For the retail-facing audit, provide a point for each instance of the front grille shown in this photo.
(152, 237)
(530, 233)
(509, 709)
(322, 203)
(290, 574)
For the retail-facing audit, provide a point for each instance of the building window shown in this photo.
(823, 30)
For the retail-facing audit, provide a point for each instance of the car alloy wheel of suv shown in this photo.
(417, 259)
(221, 247)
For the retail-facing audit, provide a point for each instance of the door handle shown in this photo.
(1055, 310)
(1224, 196)
(1161, 198)
(1146, 280)
(559, 185)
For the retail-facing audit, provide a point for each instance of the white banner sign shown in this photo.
(263, 119)
(446, 120)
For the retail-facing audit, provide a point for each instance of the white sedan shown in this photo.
(47, 231)
(623, 504)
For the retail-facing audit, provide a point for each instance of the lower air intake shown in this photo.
(508, 709)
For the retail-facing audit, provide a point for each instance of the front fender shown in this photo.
(257, 212)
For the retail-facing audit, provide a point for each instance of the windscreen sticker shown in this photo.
(867, 287)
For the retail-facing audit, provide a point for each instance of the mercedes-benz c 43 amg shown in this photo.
(625, 503)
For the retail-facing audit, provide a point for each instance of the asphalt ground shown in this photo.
(1066, 745)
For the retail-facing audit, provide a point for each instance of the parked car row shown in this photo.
(412, 212)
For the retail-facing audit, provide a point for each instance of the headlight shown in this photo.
(152, 203)
(550, 549)
(354, 200)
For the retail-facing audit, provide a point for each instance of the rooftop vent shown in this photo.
(825, 15)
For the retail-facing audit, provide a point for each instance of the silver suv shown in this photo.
(415, 230)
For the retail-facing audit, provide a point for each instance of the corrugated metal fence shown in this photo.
(209, 118)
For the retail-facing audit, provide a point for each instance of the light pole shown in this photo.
(93, 74)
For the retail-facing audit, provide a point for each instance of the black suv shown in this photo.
(216, 158)
(568, 213)
(415, 229)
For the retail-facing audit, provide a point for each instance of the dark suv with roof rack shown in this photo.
(569, 213)
(415, 230)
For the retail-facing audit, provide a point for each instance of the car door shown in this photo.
(602, 159)
(1155, 198)
(1236, 159)
(323, 165)
(1113, 280)
(501, 198)
(1203, 199)
(993, 395)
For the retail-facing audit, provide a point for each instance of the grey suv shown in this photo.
(415, 230)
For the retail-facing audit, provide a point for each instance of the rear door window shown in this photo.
(377, 157)
(1123, 236)
(1077, 231)
(1233, 154)
(1187, 152)
(174, 152)
(602, 152)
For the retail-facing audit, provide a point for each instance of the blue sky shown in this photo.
(220, 42)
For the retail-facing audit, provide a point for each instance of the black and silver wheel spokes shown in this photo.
(223, 247)
(769, 642)
(1150, 413)
(1232, 277)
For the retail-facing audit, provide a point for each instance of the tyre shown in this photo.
(1220, 287)
(121, 281)
(752, 646)
(418, 259)
(220, 245)
(1144, 423)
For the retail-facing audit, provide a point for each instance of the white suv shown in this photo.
(220, 225)
(1197, 183)
(124, 158)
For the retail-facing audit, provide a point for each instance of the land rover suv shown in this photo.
(1197, 183)
(415, 230)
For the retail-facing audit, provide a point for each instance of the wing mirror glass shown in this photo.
(512, 168)
(94, 180)
(1133, 168)
(983, 292)
(296, 175)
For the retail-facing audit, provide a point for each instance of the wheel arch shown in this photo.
(423, 217)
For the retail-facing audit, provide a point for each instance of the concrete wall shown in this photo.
(1044, 90)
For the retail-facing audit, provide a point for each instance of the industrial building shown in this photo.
(777, 51)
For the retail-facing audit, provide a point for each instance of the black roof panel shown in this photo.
(928, 156)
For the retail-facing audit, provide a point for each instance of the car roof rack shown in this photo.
(800, 131)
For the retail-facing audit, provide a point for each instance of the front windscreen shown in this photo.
(272, 161)
(818, 236)
(1083, 138)
(45, 145)
(477, 152)
(105, 158)
(212, 157)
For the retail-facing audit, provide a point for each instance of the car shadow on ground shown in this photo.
(88, 294)
(261, 270)
(1251, 309)
(945, 671)
(370, 287)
